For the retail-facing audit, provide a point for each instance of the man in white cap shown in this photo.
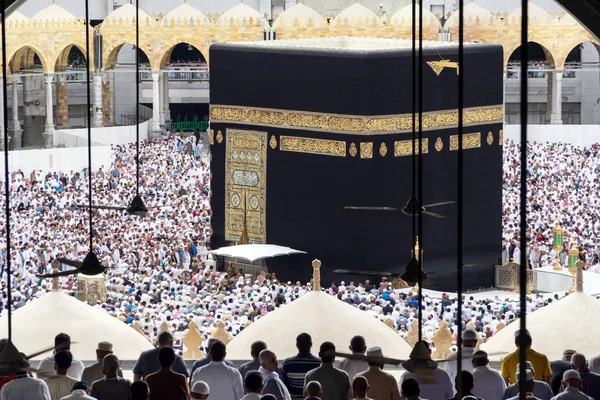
(528, 389)
(541, 389)
(469, 338)
(200, 390)
(94, 372)
(383, 386)
(572, 384)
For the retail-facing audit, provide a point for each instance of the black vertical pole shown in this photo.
(414, 137)
(420, 152)
(89, 120)
(6, 174)
(523, 205)
(459, 194)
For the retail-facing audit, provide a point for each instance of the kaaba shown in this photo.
(300, 129)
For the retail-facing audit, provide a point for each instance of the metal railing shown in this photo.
(508, 277)
(189, 126)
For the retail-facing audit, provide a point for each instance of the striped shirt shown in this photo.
(294, 370)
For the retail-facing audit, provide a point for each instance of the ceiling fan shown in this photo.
(411, 274)
(89, 266)
(412, 207)
(136, 207)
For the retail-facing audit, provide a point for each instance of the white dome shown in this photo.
(183, 12)
(324, 318)
(35, 325)
(405, 14)
(53, 12)
(355, 13)
(569, 322)
(127, 12)
(240, 12)
(537, 15)
(17, 17)
(301, 13)
(472, 12)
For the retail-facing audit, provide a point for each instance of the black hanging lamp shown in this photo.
(90, 262)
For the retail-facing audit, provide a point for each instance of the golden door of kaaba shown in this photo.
(246, 185)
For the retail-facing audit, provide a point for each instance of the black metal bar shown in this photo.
(89, 120)
(6, 174)
(523, 206)
(420, 180)
(414, 135)
(459, 196)
(137, 97)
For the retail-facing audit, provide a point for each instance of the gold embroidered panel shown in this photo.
(470, 141)
(405, 147)
(313, 146)
(353, 124)
(246, 185)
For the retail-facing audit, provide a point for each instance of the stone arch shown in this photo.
(510, 49)
(62, 60)
(165, 52)
(572, 45)
(110, 55)
(166, 56)
(24, 57)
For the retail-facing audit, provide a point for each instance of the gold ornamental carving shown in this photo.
(219, 137)
(366, 150)
(353, 124)
(470, 141)
(383, 150)
(438, 66)
(211, 137)
(501, 138)
(439, 145)
(405, 147)
(353, 150)
(273, 142)
(324, 147)
(245, 185)
(490, 138)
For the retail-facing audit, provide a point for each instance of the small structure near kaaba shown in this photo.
(302, 128)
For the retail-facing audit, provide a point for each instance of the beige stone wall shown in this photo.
(52, 40)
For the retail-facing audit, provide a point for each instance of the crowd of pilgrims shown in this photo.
(562, 182)
(161, 374)
(157, 272)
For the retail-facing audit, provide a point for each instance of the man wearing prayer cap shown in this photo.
(558, 369)
(528, 389)
(572, 384)
(540, 362)
(94, 372)
(433, 381)
(200, 390)
(541, 389)
(383, 385)
(469, 338)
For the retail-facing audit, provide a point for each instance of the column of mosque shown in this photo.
(155, 105)
(17, 132)
(62, 101)
(49, 131)
(556, 117)
(2, 130)
(161, 99)
(98, 108)
(166, 105)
